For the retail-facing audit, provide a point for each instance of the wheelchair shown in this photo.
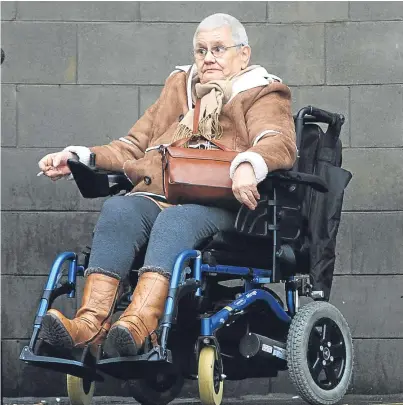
(222, 321)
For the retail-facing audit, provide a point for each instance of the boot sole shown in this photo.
(54, 333)
(120, 341)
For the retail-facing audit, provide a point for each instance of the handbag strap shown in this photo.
(196, 116)
(219, 145)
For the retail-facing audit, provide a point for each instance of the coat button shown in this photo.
(147, 180)
(181, 117)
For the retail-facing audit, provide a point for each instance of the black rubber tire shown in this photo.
(297, 353)
(144, 393)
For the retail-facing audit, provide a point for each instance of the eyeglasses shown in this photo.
(217, 51)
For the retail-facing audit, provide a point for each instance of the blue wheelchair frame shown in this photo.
(209, 325)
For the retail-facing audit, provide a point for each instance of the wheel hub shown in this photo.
(326, 354)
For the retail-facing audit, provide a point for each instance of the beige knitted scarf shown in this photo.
(214, 95)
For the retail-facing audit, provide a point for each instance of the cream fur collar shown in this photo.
(255, 78)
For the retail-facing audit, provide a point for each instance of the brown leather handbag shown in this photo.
(198, 176)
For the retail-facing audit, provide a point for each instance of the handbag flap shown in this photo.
(202, 154)
(199, 172)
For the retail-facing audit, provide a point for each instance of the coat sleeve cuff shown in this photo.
(259, 165)
(82, 151)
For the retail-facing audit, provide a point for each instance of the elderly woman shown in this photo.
(244, 107)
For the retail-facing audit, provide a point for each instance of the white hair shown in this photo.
(219, 20)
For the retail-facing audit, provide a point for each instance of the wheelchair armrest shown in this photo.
(259, 222)
(94, 183)
(288, 176)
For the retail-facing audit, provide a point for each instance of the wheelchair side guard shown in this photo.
(31, 354)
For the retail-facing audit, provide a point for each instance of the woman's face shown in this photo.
(231, 62)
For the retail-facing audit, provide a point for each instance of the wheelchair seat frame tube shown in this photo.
(210, 324)
(274, 257)
(173, 286)
(290, 295)
(259, 276)
(53, 278)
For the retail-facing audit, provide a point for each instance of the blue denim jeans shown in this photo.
(127, 223)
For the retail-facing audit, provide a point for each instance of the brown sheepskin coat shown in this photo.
(245, 117)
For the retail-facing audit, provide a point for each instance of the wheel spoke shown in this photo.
(316, 369)
(317, 333)
(331, 375)
(316, 339)
(338, 351)
(325, 331)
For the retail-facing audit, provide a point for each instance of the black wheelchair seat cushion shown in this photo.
(237, 249)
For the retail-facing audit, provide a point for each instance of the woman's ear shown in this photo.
(245, 54)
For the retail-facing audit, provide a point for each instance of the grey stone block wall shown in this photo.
(83, 72)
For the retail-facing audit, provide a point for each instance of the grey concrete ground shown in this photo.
(273, 399)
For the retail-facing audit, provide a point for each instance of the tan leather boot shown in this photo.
(140, 318)
(93, 319)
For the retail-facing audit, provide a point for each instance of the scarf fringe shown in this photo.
(209, 128)
(182, 132)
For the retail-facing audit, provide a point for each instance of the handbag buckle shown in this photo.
(162, 149)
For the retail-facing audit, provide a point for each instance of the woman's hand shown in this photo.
(244, 185)
(54, 165)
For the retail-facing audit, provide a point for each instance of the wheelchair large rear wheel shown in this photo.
(80, 390)
(320, 353)
(210, 381)
(159, 388)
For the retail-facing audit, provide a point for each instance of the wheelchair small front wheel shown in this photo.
(80, 390)
(158, 389)
(210, 382)
(320, 353)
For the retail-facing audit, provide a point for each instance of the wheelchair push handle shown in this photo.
(321, 116)
(316, 115)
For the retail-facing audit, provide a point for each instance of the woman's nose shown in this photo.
(209, 57)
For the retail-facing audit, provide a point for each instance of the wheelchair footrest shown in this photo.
(67, 366)
(134, 366)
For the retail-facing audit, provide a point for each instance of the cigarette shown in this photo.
(40, 174)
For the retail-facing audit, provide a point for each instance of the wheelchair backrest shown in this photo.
(320, 153)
